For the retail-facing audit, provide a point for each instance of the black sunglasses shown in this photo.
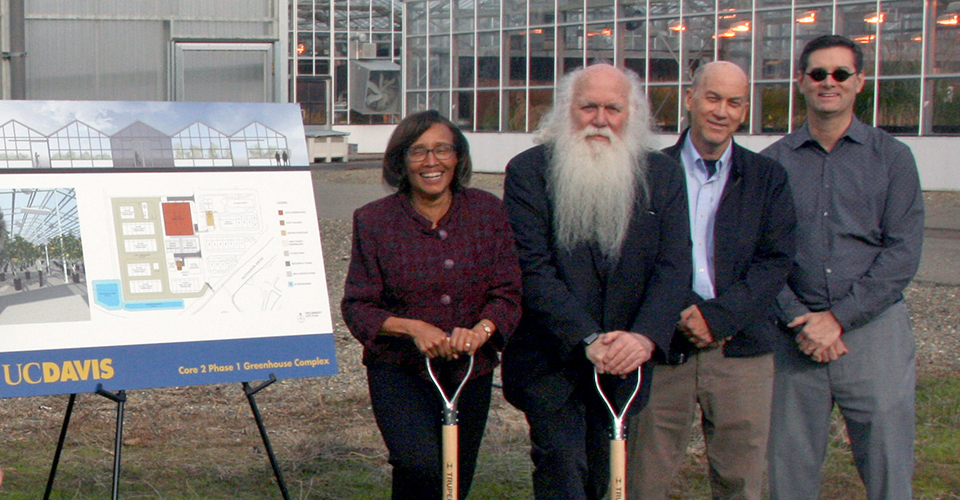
(820, 74)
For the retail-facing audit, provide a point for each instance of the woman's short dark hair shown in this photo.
(829, 41)
(406, 133)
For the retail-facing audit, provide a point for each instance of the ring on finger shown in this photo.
(468, 345)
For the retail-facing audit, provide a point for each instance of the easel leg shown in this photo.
(56, 455)
(250, 392)
(120, 398)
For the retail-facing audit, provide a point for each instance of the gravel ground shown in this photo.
(336, 237)
(935, 310)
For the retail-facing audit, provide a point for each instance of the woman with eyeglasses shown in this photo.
(433, 273)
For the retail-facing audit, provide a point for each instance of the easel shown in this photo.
(121, 398)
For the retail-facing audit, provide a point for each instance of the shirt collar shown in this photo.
(856, 132)
(690, 156)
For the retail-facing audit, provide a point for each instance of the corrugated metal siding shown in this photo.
(96, 60)
(120, 49)
(147, 9)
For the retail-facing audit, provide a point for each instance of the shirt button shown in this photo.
(443, 234)
(448, 264)
(445, 299)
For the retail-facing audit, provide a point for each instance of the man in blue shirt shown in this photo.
(741, 223)
(847, 338)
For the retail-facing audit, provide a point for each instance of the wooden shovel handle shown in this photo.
(618, 469)
(450, 463)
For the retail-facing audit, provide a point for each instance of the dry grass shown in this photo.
(202, 442)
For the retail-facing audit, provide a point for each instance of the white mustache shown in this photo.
(590, 130)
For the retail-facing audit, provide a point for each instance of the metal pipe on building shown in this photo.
(18, 51)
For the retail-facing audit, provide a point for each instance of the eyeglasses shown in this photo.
(820, 74)
(441, 152)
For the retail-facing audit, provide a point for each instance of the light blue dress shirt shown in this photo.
(703, 196)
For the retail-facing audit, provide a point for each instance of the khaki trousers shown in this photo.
(734, 395)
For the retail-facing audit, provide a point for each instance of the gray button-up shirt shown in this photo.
(859, 223)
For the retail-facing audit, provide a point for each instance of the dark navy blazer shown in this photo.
(754, 245)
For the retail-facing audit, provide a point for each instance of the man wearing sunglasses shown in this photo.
(847, 336)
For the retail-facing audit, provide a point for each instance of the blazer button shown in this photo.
(445, 299)
(448, 264)
(443, 234)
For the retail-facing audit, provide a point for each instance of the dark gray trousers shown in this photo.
(873, 386)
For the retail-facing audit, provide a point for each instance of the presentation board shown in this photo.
(182, 276)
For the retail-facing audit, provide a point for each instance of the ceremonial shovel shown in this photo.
(451, 455)
(618, 442)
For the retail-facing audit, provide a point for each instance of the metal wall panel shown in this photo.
(121, 50)
(96, 60)
(152, 9)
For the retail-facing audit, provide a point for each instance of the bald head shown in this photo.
(721, 69)
(718, 102)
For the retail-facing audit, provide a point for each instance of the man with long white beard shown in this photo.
(600, 220)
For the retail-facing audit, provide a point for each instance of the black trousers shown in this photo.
(408, 410)
(571, 449)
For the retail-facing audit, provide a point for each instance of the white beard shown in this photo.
(594, 187)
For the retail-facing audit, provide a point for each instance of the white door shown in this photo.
(223, 72)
